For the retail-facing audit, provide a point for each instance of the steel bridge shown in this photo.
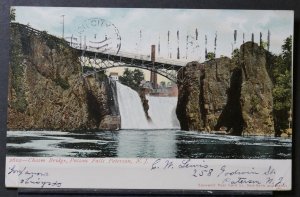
(101, 61)
(98, 59)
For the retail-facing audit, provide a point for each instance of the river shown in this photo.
(167, 143)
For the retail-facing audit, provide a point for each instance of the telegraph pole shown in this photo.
(63, 26)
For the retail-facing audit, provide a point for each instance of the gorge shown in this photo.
(232, 95)
(54, 111)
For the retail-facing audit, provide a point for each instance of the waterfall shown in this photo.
(161, 110)
(131, 109)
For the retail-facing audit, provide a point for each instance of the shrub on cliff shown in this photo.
(12, 14)
(17, 69)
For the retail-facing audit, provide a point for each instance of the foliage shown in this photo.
(12, 14)
(17, 69)
(63, 83)
(282, 90)
(254, 101)
(132, 78)
(50, 42)
(287, 52)
(211, 56)
(235, 56)
(101, 76)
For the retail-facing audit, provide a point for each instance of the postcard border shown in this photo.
(212, 4)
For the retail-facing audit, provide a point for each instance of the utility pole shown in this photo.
(178, 55)
(63, 26)
(215, 49)
(80, 41)
(206, 55)
(269, 34)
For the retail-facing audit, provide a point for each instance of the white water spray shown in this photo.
(131, 109)
(161, 110)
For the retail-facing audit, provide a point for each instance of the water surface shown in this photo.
(134, 143)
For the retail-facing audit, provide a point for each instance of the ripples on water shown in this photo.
(146, 143)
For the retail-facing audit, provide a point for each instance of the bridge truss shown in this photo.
(102, 61)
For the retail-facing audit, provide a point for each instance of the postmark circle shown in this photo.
(98, 35)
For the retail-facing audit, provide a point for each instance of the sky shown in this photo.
(137, 29)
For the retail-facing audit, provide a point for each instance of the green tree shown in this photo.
(287, 53)
(282, 90)
(12, 15)
(138, 76)
(127, 78)
(235, 56)
(132, 78)
(211, 56)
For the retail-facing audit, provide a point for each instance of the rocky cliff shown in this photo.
(46, 90)
(232, 95)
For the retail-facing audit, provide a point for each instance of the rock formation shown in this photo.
(227, 94)
(142, 94)
(46, 90)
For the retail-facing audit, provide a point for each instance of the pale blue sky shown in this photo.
(155, 24)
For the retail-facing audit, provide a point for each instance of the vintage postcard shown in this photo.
(129, 98)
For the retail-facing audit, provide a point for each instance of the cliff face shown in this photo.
(256, 92)
(188, 106)
(46, 90)
(225, 94)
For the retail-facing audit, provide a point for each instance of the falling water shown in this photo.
(161, 110)
(131, 109)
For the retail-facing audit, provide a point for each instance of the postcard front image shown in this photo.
(199, 99)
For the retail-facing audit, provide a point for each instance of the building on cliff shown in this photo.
(114, 76)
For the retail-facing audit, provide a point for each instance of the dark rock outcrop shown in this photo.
(224, 94)
(46, 90)
(142, 94)
(188, 107)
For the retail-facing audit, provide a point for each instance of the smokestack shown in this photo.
(153, 75)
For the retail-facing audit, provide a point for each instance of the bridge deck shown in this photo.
(133, 59)
(125, 57)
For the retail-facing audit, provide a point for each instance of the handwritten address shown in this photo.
(36, 178)
(145, 173)
(226, 176)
